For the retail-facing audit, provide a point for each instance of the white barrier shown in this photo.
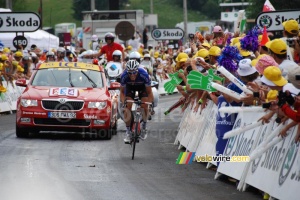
(8, 100)
(277, 171)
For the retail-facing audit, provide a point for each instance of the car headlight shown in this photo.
(28, 102)
(98, 104)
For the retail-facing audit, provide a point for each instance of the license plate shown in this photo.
(61, 115)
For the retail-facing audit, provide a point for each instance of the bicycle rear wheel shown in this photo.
(135, 137)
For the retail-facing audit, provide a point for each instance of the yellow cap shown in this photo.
(214, 51)
(278, 46)
(291, 26)
(253, 62)
(20, 68)
(156, 54)
(183, 60)
(14, 63)
(129, 47)
(180, 56)
(18, 54)
(6, 50)
(235, 40)
(205, 44)
(2, 89)
(243, 52)
(203, 53)
(4, 57)
(272, 77)
(272, 95)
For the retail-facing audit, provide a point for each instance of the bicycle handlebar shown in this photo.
(132, 101)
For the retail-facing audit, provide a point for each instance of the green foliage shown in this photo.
(170, 12)
(84, 5)
(54, 11)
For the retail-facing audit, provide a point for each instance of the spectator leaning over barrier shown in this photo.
(225, 121)
(278, 50)
(275, 81)
(249, 75)
(290, 103)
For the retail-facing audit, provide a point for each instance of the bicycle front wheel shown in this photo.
(135, 137)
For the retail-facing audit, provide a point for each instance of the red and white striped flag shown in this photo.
(268, 6)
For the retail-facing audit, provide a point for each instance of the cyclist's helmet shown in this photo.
(109, 35)
(135, 56)
(132, 65)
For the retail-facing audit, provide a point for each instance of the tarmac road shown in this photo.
(68, 166)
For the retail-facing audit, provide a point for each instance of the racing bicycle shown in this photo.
(136, 124)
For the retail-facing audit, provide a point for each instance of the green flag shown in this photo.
(175, 80)
(203, 82)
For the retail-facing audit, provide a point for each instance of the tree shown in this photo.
(85, 5)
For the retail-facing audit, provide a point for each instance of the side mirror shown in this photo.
(114, 86)
(21, 82)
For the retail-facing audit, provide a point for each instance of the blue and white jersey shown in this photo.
(142, 79)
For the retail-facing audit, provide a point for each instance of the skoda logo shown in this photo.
(62, 100)
(156, 33)
(1, 22)
(288, 162)
(265, 21)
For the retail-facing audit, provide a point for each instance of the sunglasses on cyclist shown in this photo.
(132, 72)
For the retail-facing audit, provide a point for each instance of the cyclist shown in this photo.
(135, 79)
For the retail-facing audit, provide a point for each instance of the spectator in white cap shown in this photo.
(250, 76)
(247, 72)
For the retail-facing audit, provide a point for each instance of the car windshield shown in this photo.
(67, 77)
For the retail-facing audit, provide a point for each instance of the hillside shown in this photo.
(54, 11)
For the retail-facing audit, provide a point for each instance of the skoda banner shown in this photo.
(167, 34)
(19, 22)
(273, 20)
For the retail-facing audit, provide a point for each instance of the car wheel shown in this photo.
(21, 133)
(104, 134)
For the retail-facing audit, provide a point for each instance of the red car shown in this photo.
(67, 97)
